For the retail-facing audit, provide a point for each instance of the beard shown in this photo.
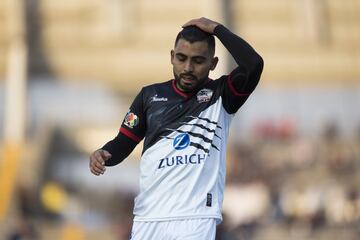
(188, 82)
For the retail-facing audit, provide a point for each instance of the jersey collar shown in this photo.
(184, 94)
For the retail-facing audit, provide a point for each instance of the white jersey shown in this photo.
(183, 162)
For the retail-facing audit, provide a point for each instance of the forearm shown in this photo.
(242, 52)
(120, 148)
(250, 63)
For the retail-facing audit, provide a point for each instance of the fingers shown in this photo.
(97, 168)
(204, 24)
(97, 162)
(193, 22)
(189, 23)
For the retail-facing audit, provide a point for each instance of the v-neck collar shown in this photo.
(184, 94)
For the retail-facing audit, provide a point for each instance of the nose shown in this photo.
(188, 66)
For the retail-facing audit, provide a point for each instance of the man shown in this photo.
(185, 124)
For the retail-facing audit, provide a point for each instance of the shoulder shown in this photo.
(217, 83)
(155, 87)
(148, 92)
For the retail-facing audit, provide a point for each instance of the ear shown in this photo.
(172, 55)
(214, 62)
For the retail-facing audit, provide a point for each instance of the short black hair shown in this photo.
(194, 34)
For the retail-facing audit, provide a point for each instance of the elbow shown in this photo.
(259, 65)
(257, 71)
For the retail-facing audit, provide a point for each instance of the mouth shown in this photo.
(187, 79)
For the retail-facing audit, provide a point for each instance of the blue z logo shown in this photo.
(181, 141)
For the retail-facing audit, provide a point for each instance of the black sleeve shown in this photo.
(132, 131)
(243, 79)
(120, 148)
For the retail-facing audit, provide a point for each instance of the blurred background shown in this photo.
(69, 70)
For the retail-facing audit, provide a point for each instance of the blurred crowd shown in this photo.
(299, 182)
(280, 185)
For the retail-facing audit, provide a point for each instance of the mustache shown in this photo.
(187, 75)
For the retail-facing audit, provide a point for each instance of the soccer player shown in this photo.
(184, 123)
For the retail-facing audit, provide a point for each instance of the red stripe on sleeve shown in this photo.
(130, 134)
(233, 90)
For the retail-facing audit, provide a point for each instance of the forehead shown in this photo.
(198, 48)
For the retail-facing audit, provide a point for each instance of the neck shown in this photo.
(205, 81)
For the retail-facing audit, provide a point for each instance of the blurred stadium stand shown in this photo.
(109, 40)
(294, 164)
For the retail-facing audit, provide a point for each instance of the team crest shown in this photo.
(204, 95)
(131, 120)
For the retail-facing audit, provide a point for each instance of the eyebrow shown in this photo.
(180, 55)
(183, 55)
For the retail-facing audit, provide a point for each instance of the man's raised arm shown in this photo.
(250, 63)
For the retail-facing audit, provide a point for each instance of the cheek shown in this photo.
(176, 67)
(203, 71)
(176, 70)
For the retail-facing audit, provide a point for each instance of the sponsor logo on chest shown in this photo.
(186, 159)
(155, 98)
(180, 142)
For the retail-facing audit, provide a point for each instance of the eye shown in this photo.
(181, 58)
(199, 60)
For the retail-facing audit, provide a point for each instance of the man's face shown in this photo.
(191, 64)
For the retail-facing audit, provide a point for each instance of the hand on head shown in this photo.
(204, 24)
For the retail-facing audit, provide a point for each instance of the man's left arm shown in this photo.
(250, 64)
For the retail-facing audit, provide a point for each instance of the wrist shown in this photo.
(219, 30)
(213, 27)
